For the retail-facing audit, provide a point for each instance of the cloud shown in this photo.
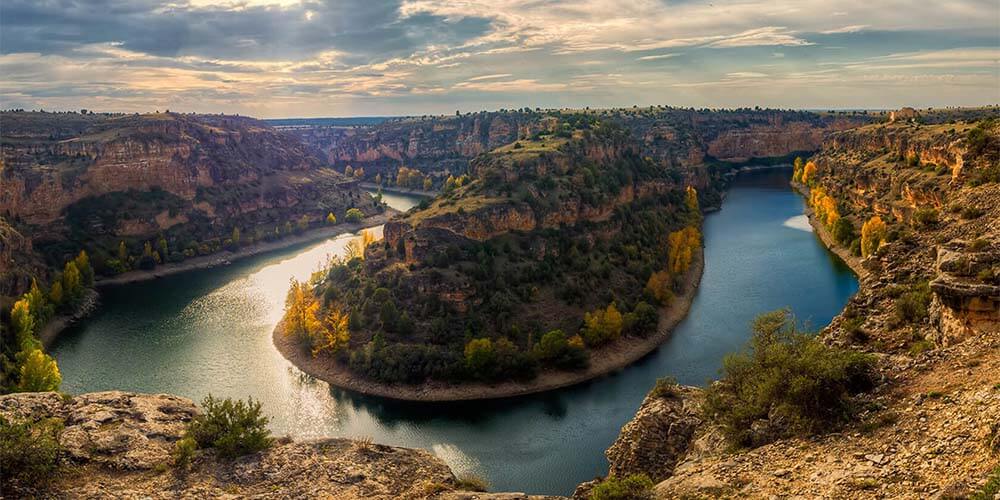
(656, 57)
(488, 77)
(286, 57)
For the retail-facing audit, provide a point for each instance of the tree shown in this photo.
(236, 237)
(480, 357)
(22, 321)
(38, 373)
(691, 200)
(843, 231)
(682, 244)
(123, 253)
(552, 345)
(602, 326)
(349, 171)
(161, 244)
(824, 206)
(873, 233)
(331, 219)
(335, 333)
(359, 173)
(809, 173)
(354, 215)
(38, 303)
(300, 312)
(797, 169)
(82, 262)
(378, 179)
(356, 247)
(56, 294)
(428, 184)
(72, 284)
(658, 286)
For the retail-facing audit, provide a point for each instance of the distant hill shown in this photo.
(348, 121)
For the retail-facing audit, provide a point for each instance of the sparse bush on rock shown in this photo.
(233, 428)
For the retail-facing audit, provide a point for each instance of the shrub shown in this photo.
(972, 213)
(989, 490)
(184, 451)
(233, 428)
(911, 306)
(469, 482)
(787, 379)
(28, 452)
(354, 215)
(843, 231)
(631, 487)
(666, 387)
(925, 217)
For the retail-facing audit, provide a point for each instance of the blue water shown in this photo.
(210, 332)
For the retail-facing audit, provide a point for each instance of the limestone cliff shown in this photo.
(927, 308)
(74, 181)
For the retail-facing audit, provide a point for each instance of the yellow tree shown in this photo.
(681, 247)
(797, 169)
(38, 373)
(56, 293)
(658, 286)
(23, 323)
(300, 312)
(331, 219)
(602, 325)
(82, 262)
(356, 247)
(692, 199)
(809, 173)
(428, 183)
(72, 284)
(872, 234)
(334, 333)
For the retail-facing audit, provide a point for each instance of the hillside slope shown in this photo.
(84, 181)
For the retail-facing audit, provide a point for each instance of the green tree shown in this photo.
(236, 237)
(354, 215)
(161, 244)
(38, 303)
(82, 262)
(123, 253)
(843, 231)
(38, 373)
(428, 184)
(22, 321)
(72, 282)
(480, 357)
(56, 294)
(602, 326)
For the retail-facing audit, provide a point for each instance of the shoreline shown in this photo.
(50, 332)
(855, 263)
(606, 360)
(398, 190)
(224, 258)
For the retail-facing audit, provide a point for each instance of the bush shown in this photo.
(843, 231)
(786, 383)
(469, 482)
(666, 387)
(631, 487)
(911, 306)
(233, 428)
(925, 217)
(28, 453)
(354, 215)
(184, 451)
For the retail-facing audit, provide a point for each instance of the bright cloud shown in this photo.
(318, 57)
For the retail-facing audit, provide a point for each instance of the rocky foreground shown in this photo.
(120, 445)
(928, 308)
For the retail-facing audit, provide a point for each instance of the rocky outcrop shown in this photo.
(963, 304)
(120, 445)
(659, 435)
(77, 182)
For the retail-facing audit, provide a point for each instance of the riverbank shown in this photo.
(398, 190)
(54, 327)
(604, 361)
(853, 261)
(226, 258)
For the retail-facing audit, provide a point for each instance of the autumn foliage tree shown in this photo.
(873, 233)
(602, 325)
(824, 206)
(809, 173)
(659, 287)
(681, 247)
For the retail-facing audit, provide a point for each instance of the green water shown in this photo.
(210, 332)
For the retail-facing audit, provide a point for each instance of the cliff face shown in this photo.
(672, 137)
(927, 308)
(88, 181)
(120, 445)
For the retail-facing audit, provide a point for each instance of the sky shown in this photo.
(308, 58)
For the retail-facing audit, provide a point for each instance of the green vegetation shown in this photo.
(631, 487)
(989, 490)
(787, 378)
(911, 306)
(29, 451)
(354, 215)
(666, 387)
(232, 428)
(432, 304)
(469, 482)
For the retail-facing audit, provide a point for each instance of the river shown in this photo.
(210, 332)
